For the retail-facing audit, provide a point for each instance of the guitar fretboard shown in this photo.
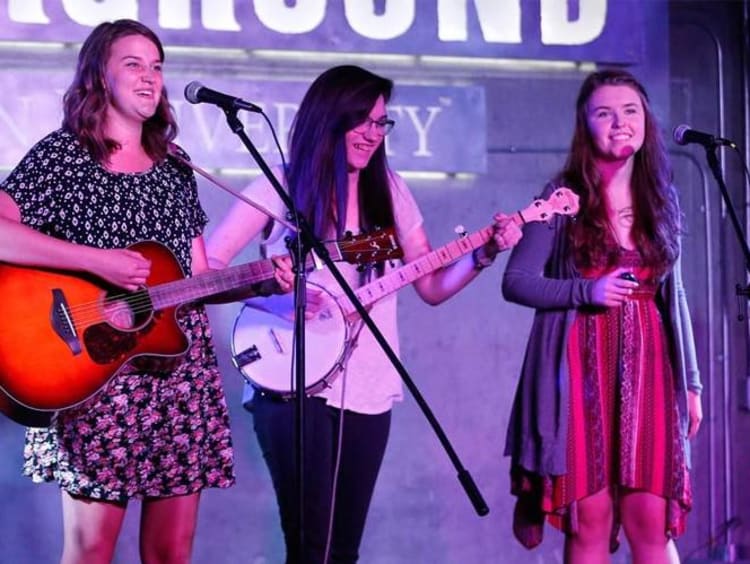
(210, 283)
(216, 282)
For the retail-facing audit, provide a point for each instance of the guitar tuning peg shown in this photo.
(460, 230)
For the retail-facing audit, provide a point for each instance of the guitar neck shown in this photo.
(215, 282)
(209, 284)
(408, 273)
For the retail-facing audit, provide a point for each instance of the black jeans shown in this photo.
(363, 446)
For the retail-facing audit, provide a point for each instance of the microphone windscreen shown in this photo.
(678, 134)
(191, 92)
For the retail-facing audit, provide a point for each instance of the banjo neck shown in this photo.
(562, 201)
(408, 273)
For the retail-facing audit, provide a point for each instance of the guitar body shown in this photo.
(263, 338)
(43, 369)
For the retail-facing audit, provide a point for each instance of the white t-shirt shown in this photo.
(369, 380)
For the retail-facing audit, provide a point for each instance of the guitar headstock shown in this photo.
(370, 247)
(562, 201)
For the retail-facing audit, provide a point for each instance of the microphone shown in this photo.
(683, 135)
(196, 93)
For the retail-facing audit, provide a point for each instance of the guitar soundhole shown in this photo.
(127, 312)
(126, 318)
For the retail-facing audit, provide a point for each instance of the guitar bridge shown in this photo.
(248, 356)
(62, 323)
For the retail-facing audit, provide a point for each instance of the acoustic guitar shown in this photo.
(64, 335)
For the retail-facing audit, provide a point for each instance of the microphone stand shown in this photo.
(307, 241)
(727, 553)
(713, 163)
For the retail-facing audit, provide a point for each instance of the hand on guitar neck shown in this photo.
(281, 281)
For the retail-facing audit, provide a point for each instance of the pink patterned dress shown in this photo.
(623, 420)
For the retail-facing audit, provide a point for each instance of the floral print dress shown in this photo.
(145, 434)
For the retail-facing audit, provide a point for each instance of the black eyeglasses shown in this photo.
(382, 126)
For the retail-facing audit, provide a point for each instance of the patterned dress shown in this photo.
(623, 420)
(146, 434)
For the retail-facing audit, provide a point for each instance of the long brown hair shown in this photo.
(656, 225)
(85, 102)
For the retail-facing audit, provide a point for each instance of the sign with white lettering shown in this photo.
(578, 30)
(432, 122)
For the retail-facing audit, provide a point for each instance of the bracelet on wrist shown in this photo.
(480, 260)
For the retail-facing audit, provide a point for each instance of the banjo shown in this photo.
(263, 335)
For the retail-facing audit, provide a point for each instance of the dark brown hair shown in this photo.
(85, 102)
(338, 100)
(656, 214)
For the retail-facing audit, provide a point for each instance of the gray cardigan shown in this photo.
(541, 275)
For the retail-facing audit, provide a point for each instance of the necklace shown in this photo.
(621, 227)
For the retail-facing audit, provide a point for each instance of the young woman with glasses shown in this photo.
(340, 181)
